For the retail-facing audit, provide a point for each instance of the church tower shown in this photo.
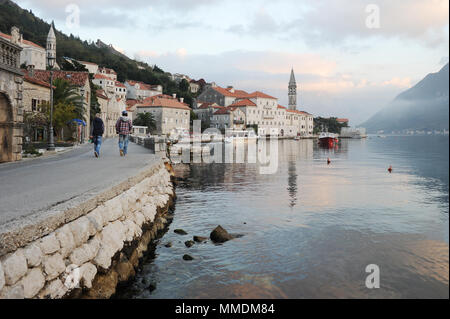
(292, 92)
(51, 43)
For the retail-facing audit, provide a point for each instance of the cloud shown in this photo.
(335, 22)
(398, 82)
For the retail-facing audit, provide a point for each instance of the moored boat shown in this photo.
(327, 139)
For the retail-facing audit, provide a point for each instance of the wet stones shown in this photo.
(187, 257)
(220, 235)
(189, 243)
(180, 231)
(200, 239)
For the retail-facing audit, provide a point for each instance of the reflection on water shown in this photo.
(311, 229)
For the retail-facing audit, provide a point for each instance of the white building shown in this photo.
(91, 67)
(31, 54)
(228, 118)
(139, 90)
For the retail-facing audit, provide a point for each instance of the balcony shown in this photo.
(9, 56)
(238, 122)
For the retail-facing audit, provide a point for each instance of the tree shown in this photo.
(145, 119)
(66, 93)
(327, 124)
(63, 114)
(184, 86)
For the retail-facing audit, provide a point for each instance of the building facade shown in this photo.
(11, 107)
(139, 90)
(31, 54)
(171, 115)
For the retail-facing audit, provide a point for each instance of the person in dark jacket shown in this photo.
(98, 128)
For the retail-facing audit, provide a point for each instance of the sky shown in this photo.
(350, 57)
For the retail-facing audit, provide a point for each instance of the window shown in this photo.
(34, 103)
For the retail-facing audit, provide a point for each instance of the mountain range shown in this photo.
(425, 106)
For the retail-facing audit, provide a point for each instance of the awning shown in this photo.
(78, 121)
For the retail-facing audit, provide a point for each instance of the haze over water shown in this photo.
(311, 229)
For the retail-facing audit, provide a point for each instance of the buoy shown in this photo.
(328, 161)
(390, 169)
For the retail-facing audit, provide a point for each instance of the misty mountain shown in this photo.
(425, 106)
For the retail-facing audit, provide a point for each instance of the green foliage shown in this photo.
(331, 124)
(66, 93)
(95, 105)
(63, 113)
(145, 119)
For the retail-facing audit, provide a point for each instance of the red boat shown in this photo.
(328, 139)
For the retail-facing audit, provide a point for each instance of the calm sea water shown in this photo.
(310, 230)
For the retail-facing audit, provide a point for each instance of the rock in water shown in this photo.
(180, 232)
(200, 239)
(189, 243)
(220, 235)
(188, 257)
(168, 245)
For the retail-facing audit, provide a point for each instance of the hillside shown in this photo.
(35, 29)
(425, 106)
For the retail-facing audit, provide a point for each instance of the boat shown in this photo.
(297, 138)
(327, 139)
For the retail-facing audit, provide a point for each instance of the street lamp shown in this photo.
(83, 133)
(51, 63)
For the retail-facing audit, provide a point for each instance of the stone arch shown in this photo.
(6, 129)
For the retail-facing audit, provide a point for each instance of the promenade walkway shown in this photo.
(30, 187)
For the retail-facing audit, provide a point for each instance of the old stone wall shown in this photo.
(91, 254)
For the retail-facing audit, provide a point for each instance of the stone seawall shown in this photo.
(89, 254)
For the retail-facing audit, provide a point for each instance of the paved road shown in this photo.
(33, 186)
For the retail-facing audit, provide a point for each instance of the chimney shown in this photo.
(230, 88)
(174, 95)
(30, 69)
(181, 99)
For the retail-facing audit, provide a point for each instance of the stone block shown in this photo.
(96, 218)
(85, 252)
(14, 292)
(87, 274)
(80, 230)
(66, 240)
(49, 244)
(33, 254)
(14, 267)
(54, 289)
(53, 266)
(33, 282)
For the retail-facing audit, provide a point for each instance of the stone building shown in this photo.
(36, 96)
(228, 118)
(31, 54)
(110, 110)
(205, 110)
(81, 82)
(11, 110)
(170, 114)
(221, 96)
(51, 45)
(292, 92)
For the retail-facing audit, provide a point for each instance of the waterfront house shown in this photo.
(137, 90)
(170, 114)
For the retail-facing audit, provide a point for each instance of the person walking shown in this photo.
(98, 128)
(123, 128)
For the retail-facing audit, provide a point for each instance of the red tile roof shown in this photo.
(26, 42)
(162, 100)
(205, 105)
(99, 76)
(120, 84)
(227, 92)
(222, 111)
(281, 107)
(259, 94)
(76, 78)
(33, 80)
(107, 71)
(244, 102)
(342, 120)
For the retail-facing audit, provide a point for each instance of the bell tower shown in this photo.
(292, 92)
(51, 43)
